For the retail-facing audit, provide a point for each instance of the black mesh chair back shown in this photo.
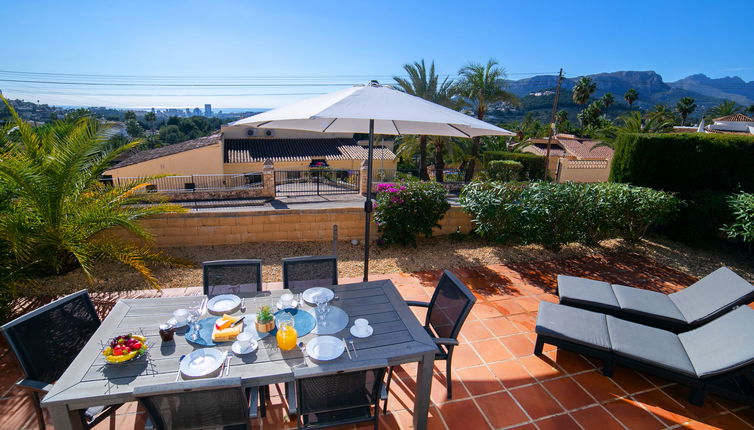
(48, 339)
(300, 273)
(197, 404)
(341, 397)
(449, 307)
(232, 277)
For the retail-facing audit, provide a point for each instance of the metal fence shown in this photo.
(193, 183)
(389, 175)
(289, 183)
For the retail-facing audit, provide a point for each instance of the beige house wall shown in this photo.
(583, 170)
(228, 228)
(200, 161)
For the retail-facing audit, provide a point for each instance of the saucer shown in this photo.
(236, 348)
(368, 332)
(175, 324)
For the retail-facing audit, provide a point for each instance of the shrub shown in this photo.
(742, 205)
(554, 214)
(685, 162)
(533, 165)
(504, 170)
(405, 210)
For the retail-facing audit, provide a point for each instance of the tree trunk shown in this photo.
(439, 161)
(469, 175)
(423, 175)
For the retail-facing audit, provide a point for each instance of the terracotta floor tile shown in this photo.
(599, 386)
(569, 361)
(541, 368)
(523, 427)
(681, 393)
(501, 326)
(501, 410)
(535, 401)
(525, 322)
(529, 304)
(596, 418)
(511, 373)
(491, 350)
(404, 420)
(631, 381)
(662, 406)
(632, 415)
(463, 415)
(483, 311)
(476, 330)
(464, 355)
(407, 370)
(479, 380)
(507, 307)
(727, 422)
(519, 345)
(560, 422)
(568, 393)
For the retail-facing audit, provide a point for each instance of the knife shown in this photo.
(237, 322)
(346, 347)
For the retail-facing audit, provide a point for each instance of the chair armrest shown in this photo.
(445, 341)
(415, 303)
(32, 385)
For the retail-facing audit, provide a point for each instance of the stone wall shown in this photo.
(226, 228)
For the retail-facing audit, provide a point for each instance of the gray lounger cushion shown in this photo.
(722, 345)
(582, 290)
(573, 324)
(646, 302)
(711, 294)
(649, 345)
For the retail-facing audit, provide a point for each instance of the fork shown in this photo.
(227, 364)
(350, 340)
(346, 347)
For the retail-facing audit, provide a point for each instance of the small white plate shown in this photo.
(224, 304)
(311, 293)
(366, 333)
(202, 362)
(324, 348)
(236, 348)
(280, 306)
(175, 324)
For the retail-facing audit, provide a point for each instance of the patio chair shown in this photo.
(46, 341)
(198, 404)
(339, 396)
(446, 312)
(716, 357)
(300, 273)
(232, 277)
(707, 299)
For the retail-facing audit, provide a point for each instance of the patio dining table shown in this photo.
(398, 338)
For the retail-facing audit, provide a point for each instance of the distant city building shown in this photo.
(207, 109)
(188, 112)
(197, 112)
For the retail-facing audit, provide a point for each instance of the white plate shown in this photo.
(325, 348)
(366, 333)
(280, 307)
(224, 303)
(236, 348)
(311, 293)
(175, 324)
(202, 362)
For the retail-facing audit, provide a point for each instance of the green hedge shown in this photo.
(534, 165)
(685, 162)
(504, 170)
(553, 214)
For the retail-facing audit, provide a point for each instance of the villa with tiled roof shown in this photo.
(569, 153)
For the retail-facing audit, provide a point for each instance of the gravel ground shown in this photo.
(431, 254)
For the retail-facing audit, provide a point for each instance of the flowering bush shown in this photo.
(407, 209)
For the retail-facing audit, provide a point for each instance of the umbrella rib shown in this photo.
(464, 133)
(264, 123)
(396, 127)
(328, 125)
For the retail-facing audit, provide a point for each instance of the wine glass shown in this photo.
(195, 311)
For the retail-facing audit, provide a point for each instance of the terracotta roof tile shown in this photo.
(736, 117)
(259, 150)
(584, 149)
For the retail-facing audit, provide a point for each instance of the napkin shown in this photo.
(228, 333)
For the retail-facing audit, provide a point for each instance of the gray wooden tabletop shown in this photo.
(398, 338)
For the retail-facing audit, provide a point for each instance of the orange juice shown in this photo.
(286, 337)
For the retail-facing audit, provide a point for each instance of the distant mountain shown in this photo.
(729, 87)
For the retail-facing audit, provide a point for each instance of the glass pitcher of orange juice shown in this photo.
(286, 334)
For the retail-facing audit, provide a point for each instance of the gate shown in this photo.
(319, 182)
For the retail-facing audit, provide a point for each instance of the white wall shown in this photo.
(732, 125)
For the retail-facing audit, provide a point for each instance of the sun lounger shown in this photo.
(703, 301)
(716, 357)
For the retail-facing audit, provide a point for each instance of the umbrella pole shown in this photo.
(368, 202)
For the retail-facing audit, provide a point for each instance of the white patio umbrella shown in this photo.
(372, 108)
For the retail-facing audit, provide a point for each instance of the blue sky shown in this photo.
(296, 42)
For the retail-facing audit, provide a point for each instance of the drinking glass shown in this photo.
(323, 307)
(195, 311)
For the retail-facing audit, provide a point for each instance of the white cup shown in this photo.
(181, 315)
(244, 340)
(286, 299)
(361, 325)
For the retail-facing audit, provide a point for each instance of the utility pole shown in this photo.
(552, 121)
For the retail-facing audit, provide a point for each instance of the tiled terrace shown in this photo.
(498, 382)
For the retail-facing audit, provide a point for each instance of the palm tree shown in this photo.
(583, 89)
(685, 107)
(661, 113)
(60, 210)
(607, 100)
(150, 117)
(426, 84)
(633, 122)
(631, 96)
(728, 107)
(481, 85)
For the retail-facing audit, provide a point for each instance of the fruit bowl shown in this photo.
(125, 348)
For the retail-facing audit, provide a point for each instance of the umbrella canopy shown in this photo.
(394, 113)
(372, 108)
